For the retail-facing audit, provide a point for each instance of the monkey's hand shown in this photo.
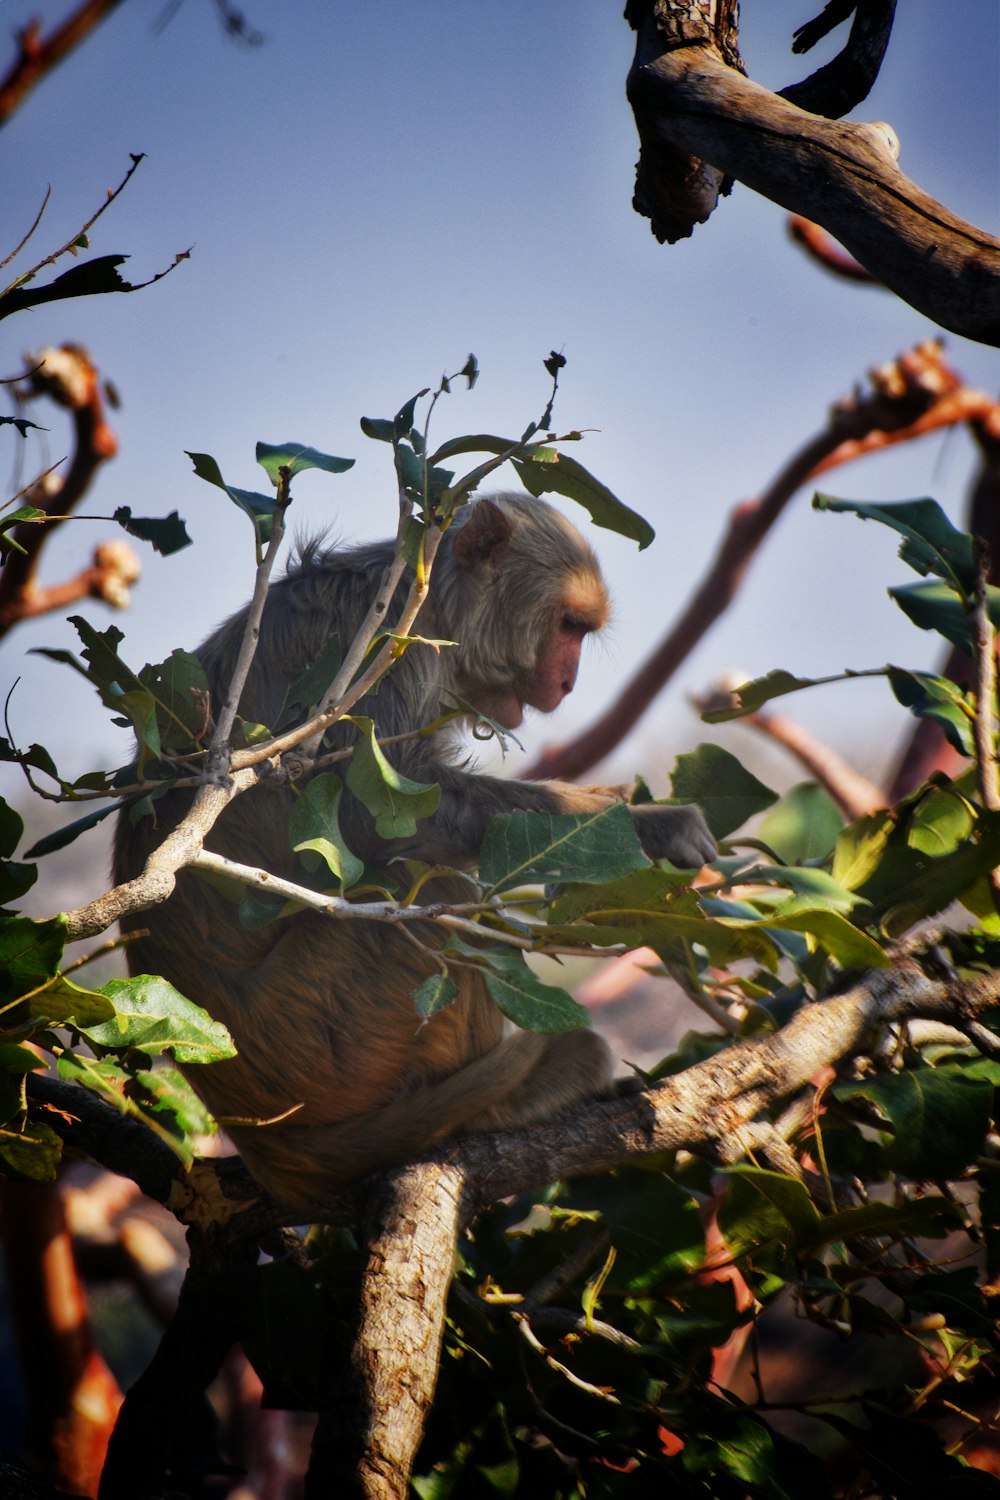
(679, 834)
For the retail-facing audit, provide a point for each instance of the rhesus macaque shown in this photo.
(321, 1011)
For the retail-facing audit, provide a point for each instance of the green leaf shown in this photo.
(920, 1218)
(940, 823)
(306, 691)
(154, 1017)
(298, 457)
(936, 1119)
(559, 474)
(525, 1000)
(11, 828)
(542, 469)
(581, 847)
(260, 508)
(759, 1206)
(804, 825)
(908, 883)
(89, 279)
(167, 1092)
(379, 428)
(725, 791)
(811, 889)
(166, 534)
(315, 825)
(29, 953)
(394, 800)
(61, 1000)
(848, 945)
(940, 699)
(725, 942)
(14, 518)
(119, 687)
(70, 831)
(180, 691)
(434, 994)
(859, 849)
(403, 420)
(519, 993)
(34, 1151)
(931, 544)
(15, 879)
(936, 606)
(754, 694)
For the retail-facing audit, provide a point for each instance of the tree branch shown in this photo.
(68, 377)
(840, 175)
(370, 1428)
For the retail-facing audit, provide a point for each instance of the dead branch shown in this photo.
(915, 394)
(842, 83)
(689, 98)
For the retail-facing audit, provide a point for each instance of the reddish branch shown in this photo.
(824, 249)
(67, 377)
(38, 55)
(853, 793)
(72, 1397)
(913, 395)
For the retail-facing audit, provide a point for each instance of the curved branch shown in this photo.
(843, 176)
(846, 79)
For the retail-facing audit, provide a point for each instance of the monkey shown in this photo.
(335, 1074)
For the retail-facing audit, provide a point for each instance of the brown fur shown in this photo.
(321, 1012)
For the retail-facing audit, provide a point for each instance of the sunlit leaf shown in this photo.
(393, 799)
(726, 792)
(589, 847)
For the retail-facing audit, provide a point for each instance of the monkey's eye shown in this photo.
(576, 624)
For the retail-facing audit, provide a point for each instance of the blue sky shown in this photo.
(379, 189)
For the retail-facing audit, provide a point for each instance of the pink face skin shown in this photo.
(554, 676)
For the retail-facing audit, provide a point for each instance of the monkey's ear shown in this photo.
(483, 537)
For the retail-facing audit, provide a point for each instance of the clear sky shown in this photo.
(379, 189)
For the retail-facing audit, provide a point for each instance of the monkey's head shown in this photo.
(523, 592)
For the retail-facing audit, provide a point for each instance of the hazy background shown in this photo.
(379, 189)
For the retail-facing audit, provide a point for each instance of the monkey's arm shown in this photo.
(469, 802)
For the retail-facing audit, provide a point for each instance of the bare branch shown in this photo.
(841, 84)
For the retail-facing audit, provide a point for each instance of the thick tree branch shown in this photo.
(370, 1429)
(840, 175)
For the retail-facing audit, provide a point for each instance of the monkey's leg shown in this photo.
(563, 1069)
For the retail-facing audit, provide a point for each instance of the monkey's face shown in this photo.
(541, 678)
(529, 591)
